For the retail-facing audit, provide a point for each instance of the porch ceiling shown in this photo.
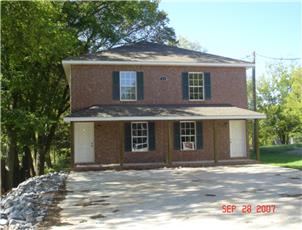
(162, 112)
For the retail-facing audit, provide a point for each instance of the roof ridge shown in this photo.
(146, 51)
(169, 46)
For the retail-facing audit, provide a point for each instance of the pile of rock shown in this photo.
(25, 206)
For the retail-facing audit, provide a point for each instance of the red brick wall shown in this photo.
(223, 139)
(92, 85)
(107, 144)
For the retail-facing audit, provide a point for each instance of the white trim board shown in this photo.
(86, 62)
(168, 118)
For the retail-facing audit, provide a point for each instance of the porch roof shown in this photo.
(162, 112)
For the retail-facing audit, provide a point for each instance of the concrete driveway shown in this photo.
(184, 198)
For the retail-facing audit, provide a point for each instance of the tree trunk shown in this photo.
(287, 139)
(47, 145)
(12, 159)
(4, 176)
(31, 165)
(26, 162)
(40, 161)
(48, 160)
(41, 154)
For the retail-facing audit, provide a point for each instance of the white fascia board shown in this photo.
(172, 118)
(161, 63)
(67, 70)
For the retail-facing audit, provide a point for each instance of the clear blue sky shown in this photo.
(236, 29)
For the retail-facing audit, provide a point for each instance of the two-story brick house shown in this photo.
(152, 104)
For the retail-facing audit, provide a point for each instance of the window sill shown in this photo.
(188, 150)
(143, 151)
(128, 100)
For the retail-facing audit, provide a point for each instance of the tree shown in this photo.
(34, 89)
(293, 102)
(191, 45)
(104, 24)
(36, 36)
(273, 100)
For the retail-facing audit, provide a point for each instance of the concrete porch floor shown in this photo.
(182, 198)
(156, 165)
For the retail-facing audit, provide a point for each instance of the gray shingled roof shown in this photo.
(153, 52)
(163, 112)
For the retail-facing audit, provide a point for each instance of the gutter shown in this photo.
(167, 118)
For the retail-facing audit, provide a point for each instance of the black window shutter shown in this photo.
(140, 85)
(207, 85)
(151, 127)
(185, 86)
(116, 85)
(127, 130)
(176, 132)
(199, 135)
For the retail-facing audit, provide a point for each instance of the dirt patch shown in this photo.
(90, 203)
(291, 195)
(53, 217)
(210, 195)
(98, 216)
(105, 204)
(295, 178)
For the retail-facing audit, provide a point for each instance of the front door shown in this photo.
(84, 142)
(237, 138)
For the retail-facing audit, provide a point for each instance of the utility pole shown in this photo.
(255, 123)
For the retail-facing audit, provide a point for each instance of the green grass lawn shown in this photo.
(277, 155)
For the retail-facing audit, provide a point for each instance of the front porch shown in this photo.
(182, 136)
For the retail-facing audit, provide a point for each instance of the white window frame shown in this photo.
(120, 78)
(180, 136)
(140, 150)
(203, 88)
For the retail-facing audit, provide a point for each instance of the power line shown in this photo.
(275, 58)
(247, 57)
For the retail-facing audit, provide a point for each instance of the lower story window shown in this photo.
(139, 136)
(187, 135)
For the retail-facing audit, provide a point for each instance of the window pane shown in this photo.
(139, 136)
(187, 135)
(195, 86)
(128, 85)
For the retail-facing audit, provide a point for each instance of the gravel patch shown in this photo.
(27, 205)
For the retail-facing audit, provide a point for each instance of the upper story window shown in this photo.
(196, 86)
(187, 135)
(128, 86)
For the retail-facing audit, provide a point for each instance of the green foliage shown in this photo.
(36, 36)
(293, 102)
(103, 24)
(61, 160)
(191, 45)
(280, 155)
(275, 97)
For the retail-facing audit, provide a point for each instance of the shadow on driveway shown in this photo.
(184, 197)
